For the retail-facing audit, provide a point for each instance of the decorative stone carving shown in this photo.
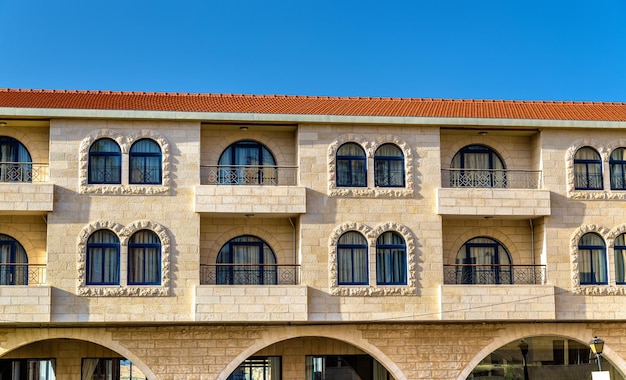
(124, 233)
(125, 141)
(371, 235)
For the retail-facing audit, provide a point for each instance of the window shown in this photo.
(18, 369)
(483, 260)
(389, 166)
(592, 259)
(110, 369)
(258, 368)
(351, 166)
(390, 259)
(352, 259)
(246, 260)
(620, 259)
(144, 259)
(345, 367)
(477, 166)
(105, 162)
(617, 165)
(13, 262)
(247, 163)
(145, 162)
(15, 162)
(103, 258)
(587, 169)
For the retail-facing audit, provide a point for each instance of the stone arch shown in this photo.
(579, 332)
(406, 150)
(501, 150)
(569, 169)
(270, 143)
(102, 337)
(590, 289)
(28, 142)
(347, 335)
(165, 244)
(266, 236)
(490, 232)
(21, 238)
(333, 281)
(166, 161)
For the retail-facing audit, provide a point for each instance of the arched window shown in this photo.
(247, 163)
(617, 165)
(144, 258)
(620, 259)
(390, 259)
(103, 258)
(105, 162)
(13, 262)
(15, 161)
(483, 261)
(351, 166)
(145, 162)
(587, 169)
(246, 260)
(352, 259)
(477, 166)
(389, 166)
(592, 259)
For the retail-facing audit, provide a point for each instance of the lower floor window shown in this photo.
(258, 368)
(345, 367)
(110, 369)
(18, 369)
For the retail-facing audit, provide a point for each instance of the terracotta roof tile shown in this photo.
(312, 105)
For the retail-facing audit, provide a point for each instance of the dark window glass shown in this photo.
(390, 259)
(144, 259)
(15, 161)
(105, 162)
(389, 166)
(483, 260)
(103, 258)
(145, 162)
(592, 259)
(351, 166)
(617, 165)
(620, 259)
(258, 368)
(13, 262)
(246, 260)
(478, 166)
(587, 169)
(352, 259)
(247, 163)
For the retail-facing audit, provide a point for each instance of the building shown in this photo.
(198, 236)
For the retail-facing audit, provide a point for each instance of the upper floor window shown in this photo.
(105, 162)
(40, 369)
(352, 259)
(391, 259)
(103, 258)
(247, 163)
(351, 166)
(592, 259)
(389, 166)
(145, 162)
(477, 166)
(483, 261)
(617, 165)
(246, 260)
(620, 259)
(587, 169)
(144, 259)
(13, 262)
(15, 161)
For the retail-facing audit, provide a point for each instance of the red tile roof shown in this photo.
(312, 105)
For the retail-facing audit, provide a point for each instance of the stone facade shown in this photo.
(429, 326)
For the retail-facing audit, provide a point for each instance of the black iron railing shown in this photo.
(249, 175)
(23, 172)
(249, 274)
(494, 274)
(22, 274)
(483, 178)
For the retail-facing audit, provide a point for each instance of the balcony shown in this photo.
(496, 292)
(24, 188)
(270, 293)
(505, 193)
(250, 190)
(24, 297)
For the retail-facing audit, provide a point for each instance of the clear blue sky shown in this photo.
(474, 49)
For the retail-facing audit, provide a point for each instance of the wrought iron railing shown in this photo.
(249, 274)
(588, 181)
(22, 274)
(23, 172)
(494, 274)
(249, 175)
(495, 178)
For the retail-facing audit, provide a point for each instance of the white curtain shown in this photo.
(587, 169)
(145, 258)
(592, 259)
(390, 259)
(351, 165)
(88, 367)
(352, 258)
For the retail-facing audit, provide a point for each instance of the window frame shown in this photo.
(230, 172)
(143, 247)
(618, 247)
(468, 176)
(230, 273)
(144, 157)
(620, 165)
(382, 260)
(384, 178)
(102, 246)
(495, 272)
(586, 164)
(588, 249)
(10, 168)
(350, 249)
(353, 172)
(110, 157)
(11, 274)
